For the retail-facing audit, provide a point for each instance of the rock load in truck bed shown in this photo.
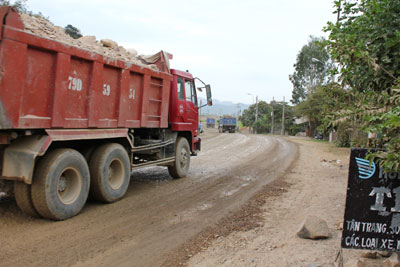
(44, 28)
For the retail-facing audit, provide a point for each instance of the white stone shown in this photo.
(106, 47)
(109, 43)
(132, 51)
(89, 39)
(313, 228)
(369, 254)
(355, 263)
(385, 254)
(393, 261)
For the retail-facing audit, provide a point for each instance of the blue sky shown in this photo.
(239, 47)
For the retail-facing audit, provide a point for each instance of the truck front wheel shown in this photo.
(181, 165)
(61, 184)
(110, 172)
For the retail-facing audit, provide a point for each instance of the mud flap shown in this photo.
(19, 157)
(197, 145)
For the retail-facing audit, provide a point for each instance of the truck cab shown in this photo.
(184, 107)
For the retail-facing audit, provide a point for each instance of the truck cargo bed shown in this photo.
(48, 84)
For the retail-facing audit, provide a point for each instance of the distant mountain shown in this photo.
(222, 108)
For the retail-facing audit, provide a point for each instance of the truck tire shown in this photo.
(87, 152)
(23, 197)
(181, 165)
(61, 184)
(110, 171)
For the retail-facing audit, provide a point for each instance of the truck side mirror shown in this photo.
(208, 92)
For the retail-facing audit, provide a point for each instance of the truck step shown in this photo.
(154, 162)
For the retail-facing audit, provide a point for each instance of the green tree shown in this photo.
(277, 107)
(365, 41)
(4, 3)
(386, 122)
(264, 121)
(73, 31)
(21, 7)
(312, 68)
(324, 108)
(249, 115)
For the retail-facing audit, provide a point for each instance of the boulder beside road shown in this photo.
(313, 228)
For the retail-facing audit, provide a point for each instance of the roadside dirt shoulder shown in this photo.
(316, 185)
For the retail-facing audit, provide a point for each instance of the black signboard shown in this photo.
(372, 214)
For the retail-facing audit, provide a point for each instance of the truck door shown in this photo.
(192, 110)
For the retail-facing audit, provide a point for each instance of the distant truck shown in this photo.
(227, 124)
(210, 123)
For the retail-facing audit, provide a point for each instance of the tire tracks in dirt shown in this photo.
(158, 215)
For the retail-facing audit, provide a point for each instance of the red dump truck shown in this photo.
(75, 124)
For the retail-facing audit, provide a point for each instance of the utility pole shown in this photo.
(272, 115)
(256, 108)
(239, 110)
(283, 117)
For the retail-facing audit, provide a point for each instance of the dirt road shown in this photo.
(315, 185)
(157, 215)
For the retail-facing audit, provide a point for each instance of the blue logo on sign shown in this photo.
(365, 170)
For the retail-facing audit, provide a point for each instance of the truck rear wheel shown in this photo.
(182, 159)
(61, 184)
(110, 172)
(23, 197)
